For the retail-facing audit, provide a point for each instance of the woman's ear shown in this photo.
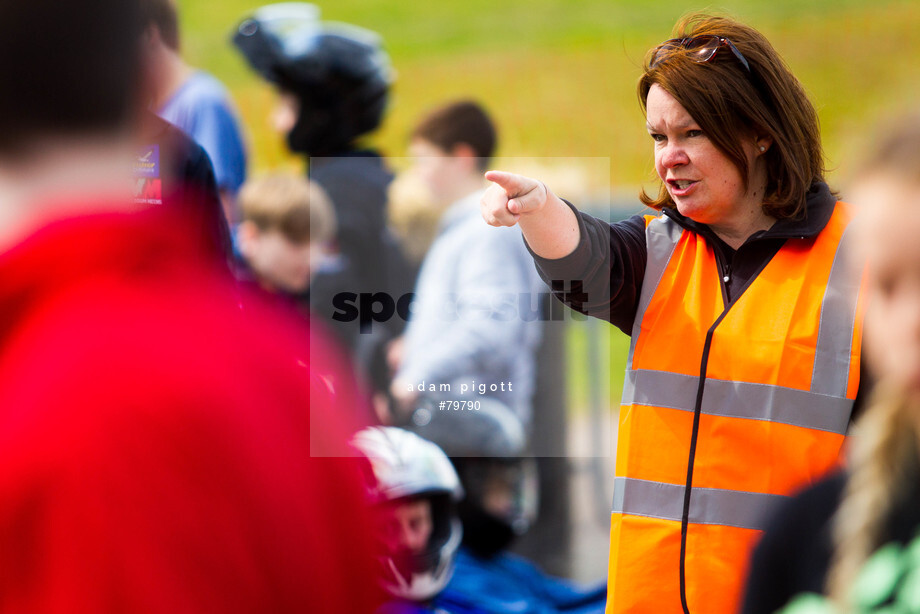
(763, 142)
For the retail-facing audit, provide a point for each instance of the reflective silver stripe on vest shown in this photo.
(661, 237)
(732, 508)
(835, 333)
(738, 400)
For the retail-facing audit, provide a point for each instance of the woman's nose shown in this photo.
(672, 155)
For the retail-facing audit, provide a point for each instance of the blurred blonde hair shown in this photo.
(884, 456)
(289, 203)
(413, 215)
(886, 443)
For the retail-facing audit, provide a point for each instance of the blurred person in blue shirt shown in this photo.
(196, 102)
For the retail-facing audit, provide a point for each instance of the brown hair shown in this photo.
(71, 69)
(463, 122)
(290, 204)
(730, 103)
(163, 15)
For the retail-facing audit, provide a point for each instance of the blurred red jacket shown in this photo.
(155, 438)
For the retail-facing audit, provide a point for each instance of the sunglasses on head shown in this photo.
(700, 49)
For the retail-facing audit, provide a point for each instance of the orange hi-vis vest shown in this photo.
(727, 408)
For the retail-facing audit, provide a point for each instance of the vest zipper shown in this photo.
(724, 270)
(688, 487)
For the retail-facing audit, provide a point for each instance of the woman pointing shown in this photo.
(744, 361)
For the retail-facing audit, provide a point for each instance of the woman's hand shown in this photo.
(549, 225)
(510, 196)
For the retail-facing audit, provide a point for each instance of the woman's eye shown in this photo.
(658, 138)
(693, 133)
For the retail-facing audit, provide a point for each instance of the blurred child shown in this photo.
(822, 540)
(286, 224)
(428, 569)
(466, 325)
(414, 490)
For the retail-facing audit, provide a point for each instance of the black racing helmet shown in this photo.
(339, 73)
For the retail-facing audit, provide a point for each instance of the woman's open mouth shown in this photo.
(681, 187)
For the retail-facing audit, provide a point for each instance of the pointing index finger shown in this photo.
(513, 185)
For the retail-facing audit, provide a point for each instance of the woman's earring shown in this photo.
(762, 149)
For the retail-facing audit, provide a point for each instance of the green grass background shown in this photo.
(560, 75)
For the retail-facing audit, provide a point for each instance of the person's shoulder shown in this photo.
(824, 493)
(366, 168)
(639, 222)
(811, 508)
(627, 231)
(172, 139)
(203, 88)
(186, 155)
(820, 205)
(154, 128)
(156, 334)
(503, 562)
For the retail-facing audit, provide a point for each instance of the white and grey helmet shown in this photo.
(408, 467)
